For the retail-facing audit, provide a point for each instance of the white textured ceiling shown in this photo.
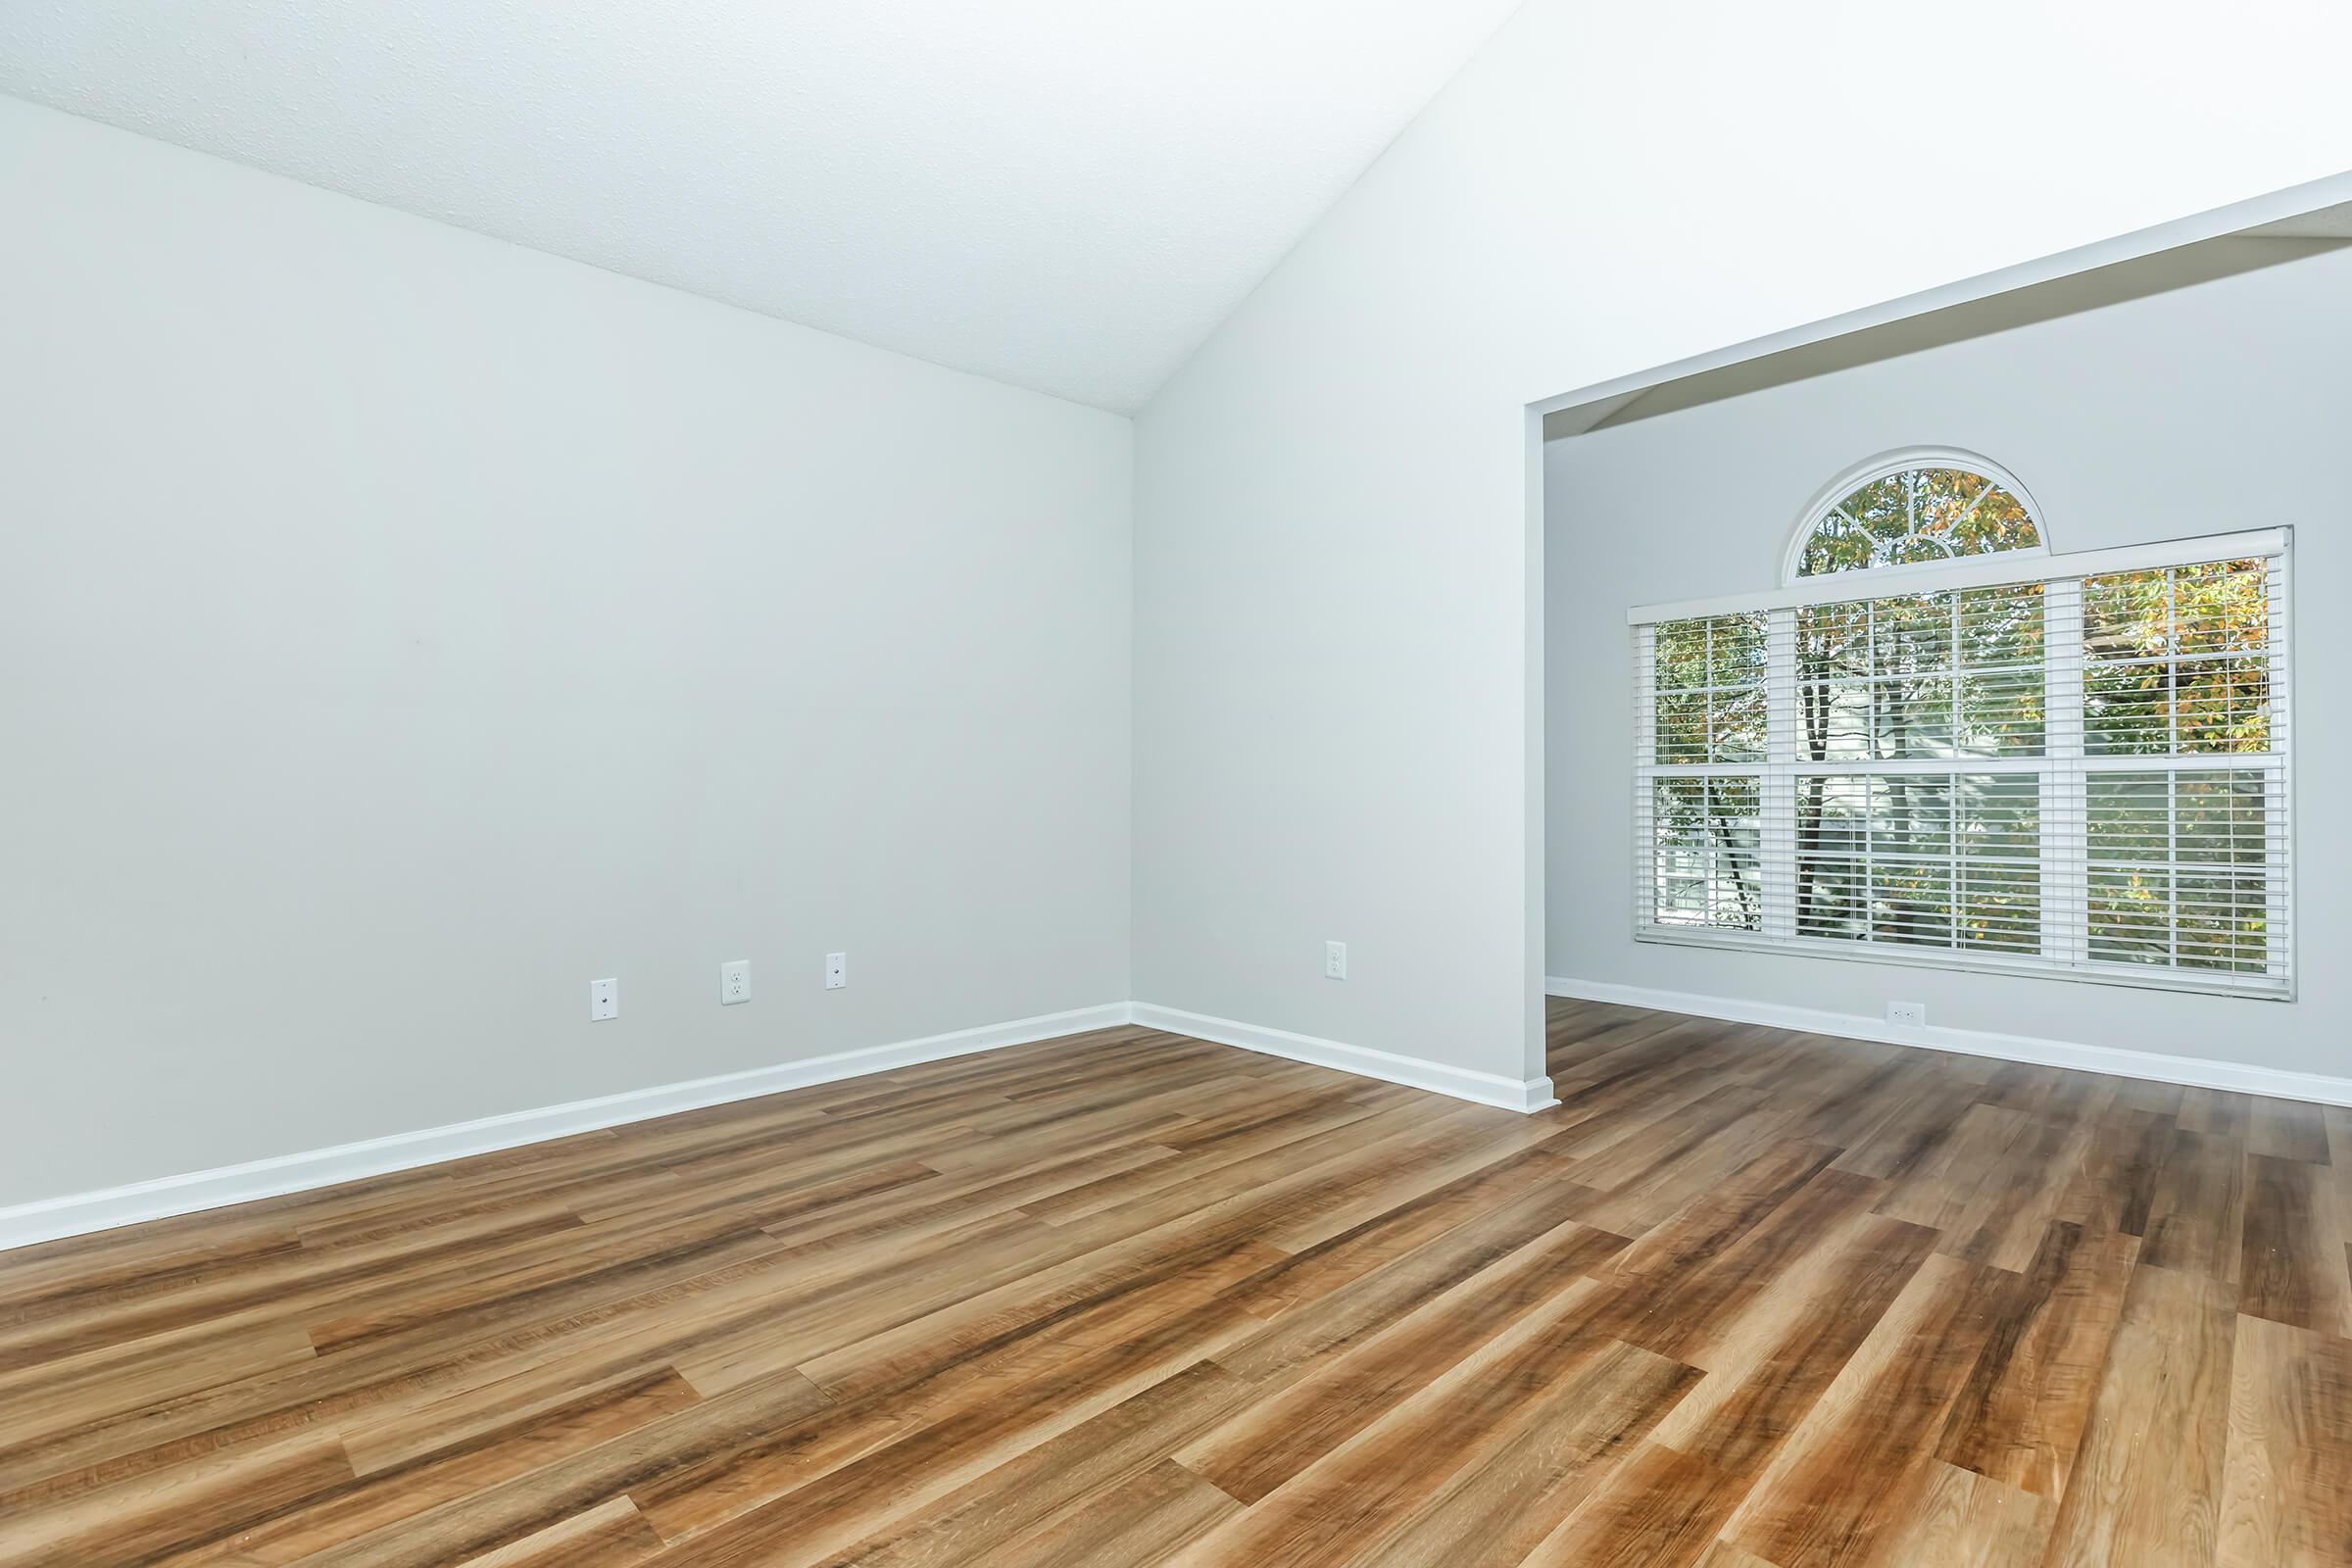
(1063, 194)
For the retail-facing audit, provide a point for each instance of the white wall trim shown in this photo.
(81, 1213)
(2197, 1072)
(78, 1213)
(2009, 566)
(1603, 398)
(1485, 1088)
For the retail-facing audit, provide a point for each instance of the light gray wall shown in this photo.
(2213, 408)
(399, 629)
(1339, 590)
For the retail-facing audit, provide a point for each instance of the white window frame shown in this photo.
(1885, 465)
(2063, 858)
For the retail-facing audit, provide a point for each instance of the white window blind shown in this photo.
(2072, 765)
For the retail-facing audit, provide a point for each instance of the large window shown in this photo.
(2076, 764)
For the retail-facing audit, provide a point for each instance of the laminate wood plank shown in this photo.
(1374, 1485)
(1692, 1314)
(1291, 1427)
(474, 1343)
(2028, 1395)
(1721, 1218)
(2196, 1217)
(1508, 1202)
(1032, 1488)
(2291, 1262)
(46, 1399)
(2113, 1184)
(1647, 1090)
(758, 1422)
(1960, 1519)
(137, 1520)
(2217, 1113)
(1301, 1128)
(2287, 1129)
(988, 1422)
(1748, 1299)
(1378, 1299)
(526, 1400)
(1864, 1092)
(2157, 1099)
(436, 1471)
(1910, 1131)
(1145, 1519)
(1660, 1508)
(1880, 1415)
(61, 1330)
(2014, 1206)
(611, 1534)
(1722, 1554)
(926, 1209)
(1169, 1270)
(1651, 1179)
(1766, 1397)
(1492, 1515)
(2337, 1120)
(2145, 1487)
(1410, 1173)
(2287, 1486)
(1953, 1187)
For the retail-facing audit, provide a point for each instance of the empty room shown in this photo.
(1454, 785)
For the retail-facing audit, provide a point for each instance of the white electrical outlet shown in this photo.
(603, 1000)
(1335, 960)
(1907, 1014)
(837, 970)
(734, 982)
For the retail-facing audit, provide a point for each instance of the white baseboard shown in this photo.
(2198, 1072)
(1486, 1088)
(78, 1213)
(81, 1213)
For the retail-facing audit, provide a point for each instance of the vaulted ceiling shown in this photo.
(1063, 194)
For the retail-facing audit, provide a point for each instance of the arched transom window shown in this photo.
(1915, 511)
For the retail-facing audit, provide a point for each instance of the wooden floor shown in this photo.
(1745, 1299)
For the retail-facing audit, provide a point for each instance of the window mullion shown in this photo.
(2064, 805)
(1645, 757)
(2172, 859)
(1776, 792)
(1951, 809)
(2277, 801)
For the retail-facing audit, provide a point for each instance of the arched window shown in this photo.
(1940, 741)
(1910, 509)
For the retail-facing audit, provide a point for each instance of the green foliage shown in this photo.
(1919, 514)
(2176, 661)
(1710, 682)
